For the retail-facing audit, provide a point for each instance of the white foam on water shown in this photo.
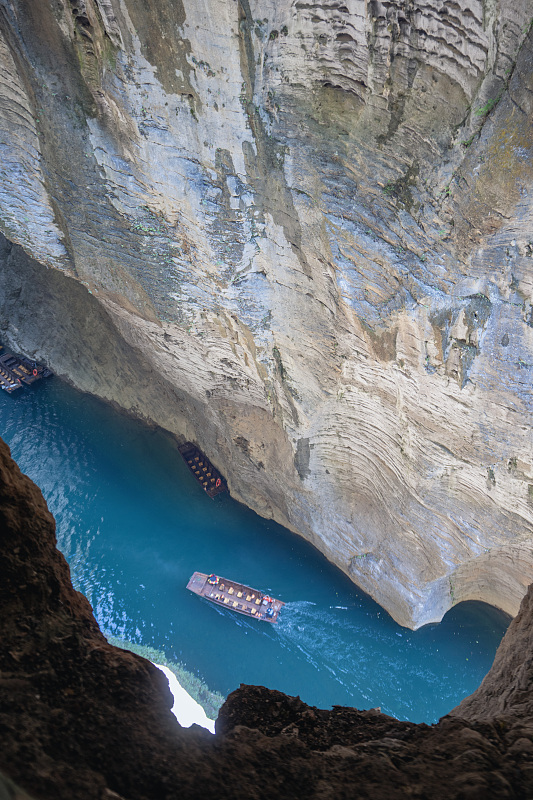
(186, 710)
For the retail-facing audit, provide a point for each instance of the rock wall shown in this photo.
(82, 719)
(310, 225)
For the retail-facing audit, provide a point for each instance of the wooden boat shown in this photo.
(236, 596)
(18, 370)
(205, 473)
(8, 380)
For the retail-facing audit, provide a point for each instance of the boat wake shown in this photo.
(328, 641)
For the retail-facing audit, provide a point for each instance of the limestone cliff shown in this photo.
(81, 720)
(300, 234)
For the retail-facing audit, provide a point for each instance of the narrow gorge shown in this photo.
(81, 719)
(298, 234)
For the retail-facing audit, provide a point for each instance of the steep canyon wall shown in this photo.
(300, 234)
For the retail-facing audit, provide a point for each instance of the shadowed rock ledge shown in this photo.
(81, 720)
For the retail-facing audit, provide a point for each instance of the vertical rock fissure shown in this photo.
(265, 169)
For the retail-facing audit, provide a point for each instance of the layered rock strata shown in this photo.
(300, 234)
(82, 719)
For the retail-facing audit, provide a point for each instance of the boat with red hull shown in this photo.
(236, 596)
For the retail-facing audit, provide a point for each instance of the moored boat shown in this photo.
(8, 381)
(205, 473)
(18, 370)
(235, 596)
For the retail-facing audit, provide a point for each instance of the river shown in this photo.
(134, 525)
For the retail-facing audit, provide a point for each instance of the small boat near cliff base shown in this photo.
(235, 596)
(205, 473)
(15, 371)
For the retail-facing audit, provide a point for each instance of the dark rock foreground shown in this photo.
(82, 719)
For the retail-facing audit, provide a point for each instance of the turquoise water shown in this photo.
(134, 525)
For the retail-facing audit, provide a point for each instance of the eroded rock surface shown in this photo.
(82, 720)
(310, 225)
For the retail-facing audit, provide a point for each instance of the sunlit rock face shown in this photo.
(308, 226)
